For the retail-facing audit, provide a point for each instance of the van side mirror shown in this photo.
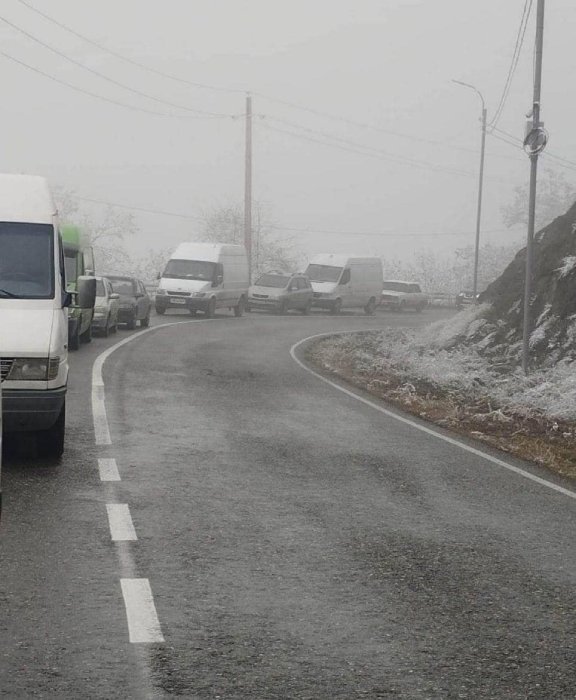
(86, 294)
(345, 277)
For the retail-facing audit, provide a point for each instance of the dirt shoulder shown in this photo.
(528, 434)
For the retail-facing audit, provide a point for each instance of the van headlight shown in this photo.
(34, 369)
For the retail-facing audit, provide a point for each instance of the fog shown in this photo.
(362, 142)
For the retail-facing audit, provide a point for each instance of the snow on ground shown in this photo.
(432, 353)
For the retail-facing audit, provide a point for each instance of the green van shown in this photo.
(79, 261)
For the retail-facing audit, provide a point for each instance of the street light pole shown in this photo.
(480, 185)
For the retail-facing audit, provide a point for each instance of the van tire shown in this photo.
(370, 307)
(50, 443)
(86, 337)
(210, 309)
(336, 307)
(239, 308)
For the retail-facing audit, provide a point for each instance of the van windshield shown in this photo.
(27, 260)
(190, 270)
(323, 273)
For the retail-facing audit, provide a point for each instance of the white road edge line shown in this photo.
(120, 522)
(108, 470)
(422, 428)
(99, 416)
(143, 623)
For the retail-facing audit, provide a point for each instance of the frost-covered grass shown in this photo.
(429, 354)
(432, 373)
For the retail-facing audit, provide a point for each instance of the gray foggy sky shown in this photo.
(384, 64)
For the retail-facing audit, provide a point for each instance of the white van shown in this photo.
(33, 312)
(204, 277)
(343, 282)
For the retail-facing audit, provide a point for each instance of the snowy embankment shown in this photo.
(434, 373)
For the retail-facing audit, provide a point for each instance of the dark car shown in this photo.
(134, 302)
(465, 298)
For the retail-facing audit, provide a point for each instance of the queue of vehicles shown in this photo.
(51, 299)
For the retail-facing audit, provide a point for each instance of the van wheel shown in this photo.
(210, 309)
(50, 443)
(86, 337)
(239, 309)
(370, 307)
(336, 307)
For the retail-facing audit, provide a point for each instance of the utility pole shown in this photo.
(248, 187)
(480, 185)
(534, 144)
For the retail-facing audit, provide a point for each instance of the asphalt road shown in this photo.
(271, 537)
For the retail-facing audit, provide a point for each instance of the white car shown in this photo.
(399, 295)
(105, 319)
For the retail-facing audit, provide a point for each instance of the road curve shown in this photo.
(296, 542)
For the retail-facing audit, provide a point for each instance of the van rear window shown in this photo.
(26, 260)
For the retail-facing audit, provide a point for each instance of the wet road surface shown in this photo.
(293, 542)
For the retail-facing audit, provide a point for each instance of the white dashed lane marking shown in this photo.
(120, 521)
(143, 623)
(108, 470)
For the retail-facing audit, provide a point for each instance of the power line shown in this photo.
(94, 94)
(514, 63)
(103, 76)
(518, 143)
(389, 233)
(369, 151)
(121, 57)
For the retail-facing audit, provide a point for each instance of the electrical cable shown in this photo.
(96, 95)
(97, 73)
(514, 63)
(371, 152)
(387, 233)
(120, 56)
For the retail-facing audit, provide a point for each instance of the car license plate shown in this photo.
(177, 300)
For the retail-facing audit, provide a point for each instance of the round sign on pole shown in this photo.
(536, 140)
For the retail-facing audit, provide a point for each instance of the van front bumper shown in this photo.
(188, 303)
(31, 409)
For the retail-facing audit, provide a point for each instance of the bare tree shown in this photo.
(555, 196)
(226, 225)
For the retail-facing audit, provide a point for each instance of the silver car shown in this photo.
(280, 292)
(105, 320)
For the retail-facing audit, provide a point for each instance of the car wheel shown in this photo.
(145, 322)
(160, 310)
(307, 309)
(419, 308)
(282, 308)
(370, 307)
(336, 307)
(239, 308)
(106, 329)
(50, 443)
(210, 309)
